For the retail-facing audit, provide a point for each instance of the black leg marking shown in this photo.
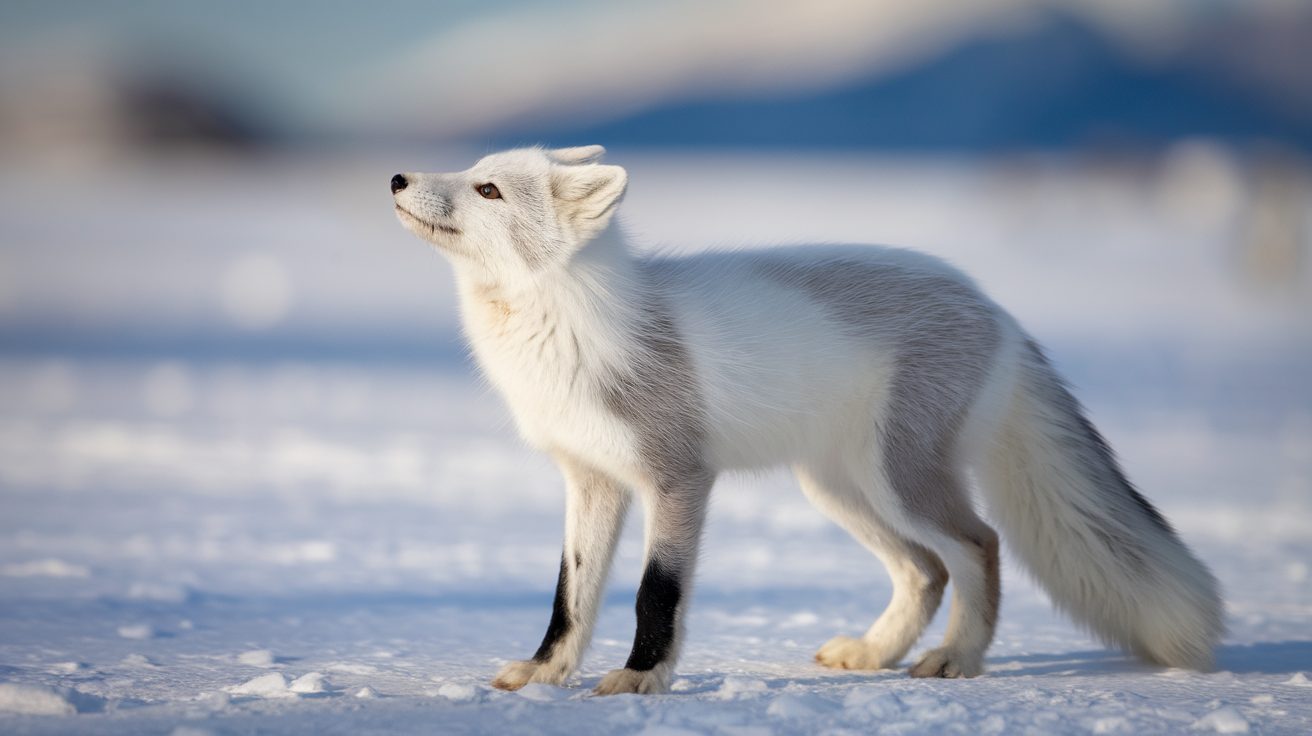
(560, 621)
(658, 601)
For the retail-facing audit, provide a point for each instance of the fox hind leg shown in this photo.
(940, 513)
(917, 573)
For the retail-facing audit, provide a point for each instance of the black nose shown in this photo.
(398, 183)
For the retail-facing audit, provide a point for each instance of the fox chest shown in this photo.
(552, 385)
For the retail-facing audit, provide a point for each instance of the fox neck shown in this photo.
(574, 319)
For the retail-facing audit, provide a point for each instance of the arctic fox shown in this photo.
(881, 376)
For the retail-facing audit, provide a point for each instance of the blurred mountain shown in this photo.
(862, 74)
(1059, 84)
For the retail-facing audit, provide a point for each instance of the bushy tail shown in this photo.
(1104, 554)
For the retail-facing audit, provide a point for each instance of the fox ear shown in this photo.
(586, 196)
(577, 155)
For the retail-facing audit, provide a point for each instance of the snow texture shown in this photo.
(257, 658)
(34, 700)
(218, 522)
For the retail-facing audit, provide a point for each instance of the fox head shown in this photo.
(515, 213)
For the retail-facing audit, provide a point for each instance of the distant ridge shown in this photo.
(1058, 86)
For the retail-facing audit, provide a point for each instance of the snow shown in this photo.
(162, 592)
(733, 687)
(249, 533)
(542, 693)
(48, 567)
(136, 631)
(310, 683)
(1222, 720)
(272, 685)
(66, 668)
(462, 692)
(34, 700)
(257, 658)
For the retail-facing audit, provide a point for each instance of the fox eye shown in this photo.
(489, 191)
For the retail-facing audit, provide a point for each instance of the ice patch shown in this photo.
(34, 700)
(311, 682)
(272, 685)
(49, 568)
(734, 686)
(66, 668)
(459, 692)
(137, 631)
(138, 660)
(190, 731)
(366, 692)
(257, 658)
(1298, 679)
(1222, 720)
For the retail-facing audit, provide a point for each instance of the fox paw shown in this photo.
(518, 674)
(850, 653)
(947, 662)
(632, 681)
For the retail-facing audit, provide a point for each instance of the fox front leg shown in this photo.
(675, 514)
(594, 515)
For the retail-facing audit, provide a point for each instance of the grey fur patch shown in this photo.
(527, 244)
(1096, 446)
(657, 396)
(528, 225)
(986, 542)
(981, 542)
(436, 200)
(1097, 462)
(945, 338)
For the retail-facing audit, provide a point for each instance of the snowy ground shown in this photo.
(279, 501)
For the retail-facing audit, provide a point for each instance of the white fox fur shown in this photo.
(881, 376)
